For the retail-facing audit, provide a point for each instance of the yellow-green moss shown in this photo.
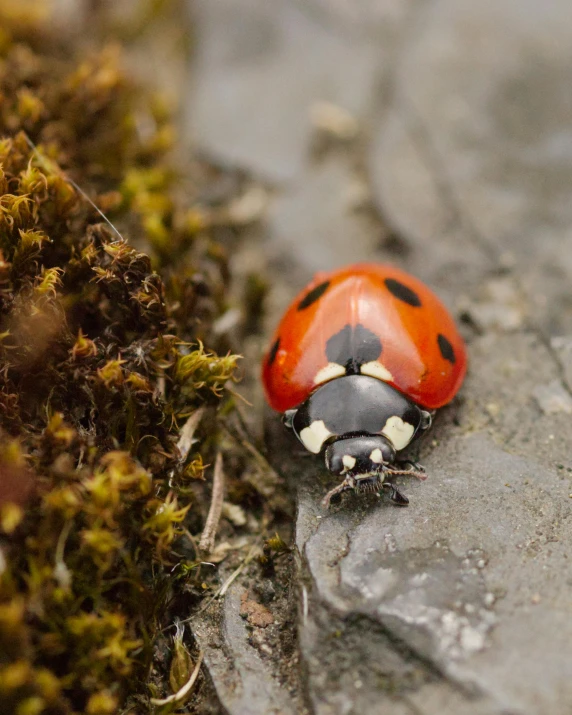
(101, 360)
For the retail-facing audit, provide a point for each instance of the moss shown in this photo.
(101, 360)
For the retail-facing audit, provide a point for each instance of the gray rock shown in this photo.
(476, 154)
(553, 397)
(259, 67)
(454, 580)
(562, 350)
(315, 225)
(244, 678)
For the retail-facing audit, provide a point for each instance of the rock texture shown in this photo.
(461, 172)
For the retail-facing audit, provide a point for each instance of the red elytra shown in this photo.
(345, 313)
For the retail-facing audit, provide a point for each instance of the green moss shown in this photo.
(101, 361)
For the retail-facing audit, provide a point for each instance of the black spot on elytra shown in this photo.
(352, 347)
(273, 351)
(446, 348)
(402, 292)
(313, 295)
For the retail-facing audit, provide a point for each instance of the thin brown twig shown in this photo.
(187, 436)
(236, 394)
(236, 573)
(193, 541)
(243, 424)
(271, 476)
(206, 544)
(186, 440)
(181, 694)
(252, 552)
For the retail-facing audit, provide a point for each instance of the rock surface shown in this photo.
(459, 604)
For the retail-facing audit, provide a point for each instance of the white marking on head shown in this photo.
(376, 456)
(376, 369)
(398, 432)
(348, 461)
(329, 372)
(314, 436)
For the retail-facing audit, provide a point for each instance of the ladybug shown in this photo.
(358, 365)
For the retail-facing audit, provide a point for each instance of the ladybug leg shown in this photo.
(395, 495)
(288, 418)
(426, 419)
(347, 485)
(410, 465)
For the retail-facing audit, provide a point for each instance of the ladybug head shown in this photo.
(362, 455)
(362, 460)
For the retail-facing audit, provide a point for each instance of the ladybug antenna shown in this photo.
(348, 484)
(408, 473)
(363, 484)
